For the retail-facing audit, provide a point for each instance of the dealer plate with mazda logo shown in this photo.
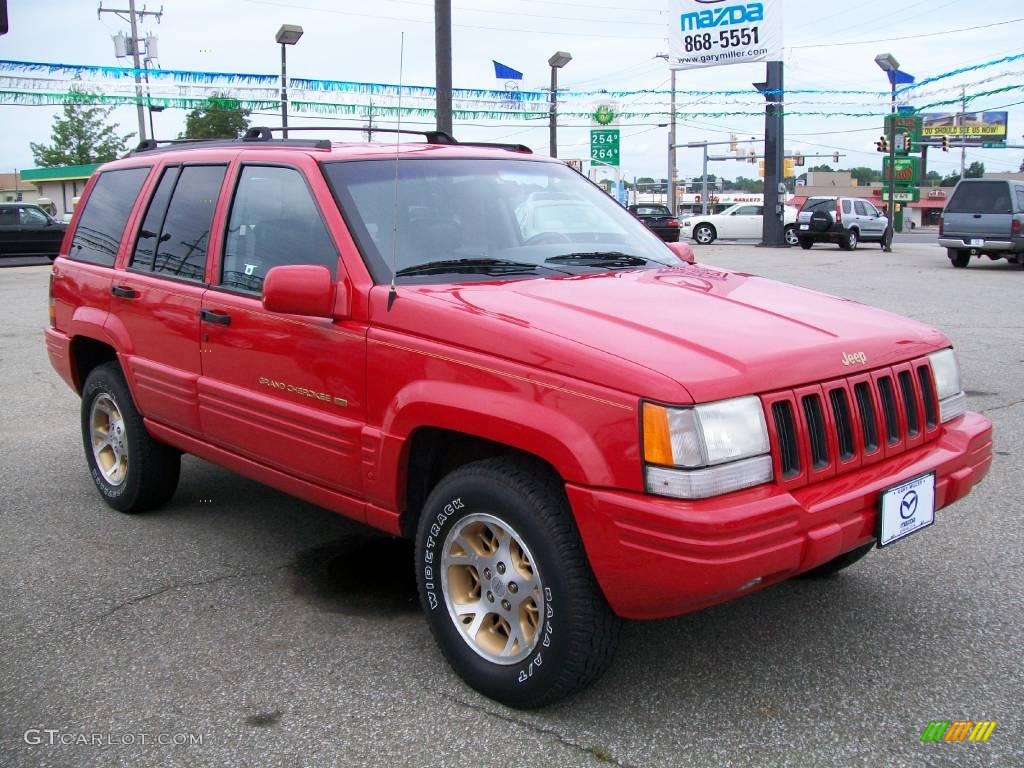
(906, 509)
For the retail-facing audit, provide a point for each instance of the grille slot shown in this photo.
(888, 397)
(868, 420)
(789, 450)
(816, 431)
(910, 404)
(844, 425)
(931, 410)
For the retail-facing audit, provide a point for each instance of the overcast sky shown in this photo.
(612, 44)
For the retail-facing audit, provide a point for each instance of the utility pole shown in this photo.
(772, 229)
(133, 16)
(960, 122)
(443, 63)
(672, 150)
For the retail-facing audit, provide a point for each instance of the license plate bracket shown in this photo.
(905, 509)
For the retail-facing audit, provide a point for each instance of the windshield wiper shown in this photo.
(467, 265)
(600, 259)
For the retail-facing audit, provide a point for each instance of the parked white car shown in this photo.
(742, 220)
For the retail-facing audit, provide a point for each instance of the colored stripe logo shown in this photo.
(958, 730)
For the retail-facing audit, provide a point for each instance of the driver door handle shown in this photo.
(211, 316)
(124, 292)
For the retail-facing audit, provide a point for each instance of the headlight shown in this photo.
(946, 370)
(706, 450)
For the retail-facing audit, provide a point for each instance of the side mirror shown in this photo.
(683, 251)
(300, 289)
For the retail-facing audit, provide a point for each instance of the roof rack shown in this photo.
(262, 135)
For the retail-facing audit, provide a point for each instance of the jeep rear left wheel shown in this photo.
(506, 586)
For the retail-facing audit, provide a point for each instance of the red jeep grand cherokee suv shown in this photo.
(478, 348)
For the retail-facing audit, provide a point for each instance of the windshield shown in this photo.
(484, 211)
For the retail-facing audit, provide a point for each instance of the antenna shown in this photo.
(392, 293)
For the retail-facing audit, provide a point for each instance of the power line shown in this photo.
(907, 37)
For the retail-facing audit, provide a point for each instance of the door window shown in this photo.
(861, 208)
(33, 217)
(101, 223)
(185, 235)
(274, 222)
(749, 210)
(8, 217)
(149, 234)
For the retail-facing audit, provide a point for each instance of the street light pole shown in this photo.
(558, 60)
(888, 64)
(288, 34)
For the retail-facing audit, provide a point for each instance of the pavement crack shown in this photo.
(176, 586)
(1002, 407)
(589, 751)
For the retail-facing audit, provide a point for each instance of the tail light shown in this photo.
(675, 222)
(1015, 227)
(53, 305)
(942, 223)
(839, 211)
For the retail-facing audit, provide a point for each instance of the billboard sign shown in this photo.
(710, 33)
(968, 127)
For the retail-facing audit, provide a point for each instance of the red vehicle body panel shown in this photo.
(325, 408)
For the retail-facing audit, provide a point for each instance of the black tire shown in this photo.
(789, 233)
(958, 259)
(576, 636)
(704, 234)
(837, 564)
(848, 242)
(806, 244)
(150, 474)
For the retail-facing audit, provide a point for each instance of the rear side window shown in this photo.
(185, 235)
(861, 208)
(981, 197)
(1020, 200)
(847, 208)
(101, 223)
(149, 234)
(274, 222)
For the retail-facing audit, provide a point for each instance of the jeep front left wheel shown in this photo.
(505, 584)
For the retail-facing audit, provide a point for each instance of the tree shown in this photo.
(975, 171)
(83, 134)
(220, 118)
(1022, 166)
(950, 181)
(864, 175)
(934, 178)
(825, 168)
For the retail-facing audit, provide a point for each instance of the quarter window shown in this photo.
(274, 222)
(101, 224)
(847, 208)
(185, 235)
(1020, 200)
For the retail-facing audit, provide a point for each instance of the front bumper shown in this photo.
(656, 557)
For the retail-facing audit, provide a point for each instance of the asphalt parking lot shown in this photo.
(284, 636)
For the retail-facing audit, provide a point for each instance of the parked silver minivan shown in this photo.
(984, 217)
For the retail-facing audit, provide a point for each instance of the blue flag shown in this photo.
(901, 77)
(506, 73)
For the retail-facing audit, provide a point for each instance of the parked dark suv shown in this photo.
(659, 219)
(845, 221)
(27, 230)
(984, 217)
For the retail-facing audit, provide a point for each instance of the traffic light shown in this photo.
(798, 159)
(945, 143)
(882, 145)
(733, 143)
(753, 156)
(835, 157)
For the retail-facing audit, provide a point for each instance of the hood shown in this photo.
(716, 333)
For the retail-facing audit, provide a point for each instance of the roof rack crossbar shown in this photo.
(262, 133)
